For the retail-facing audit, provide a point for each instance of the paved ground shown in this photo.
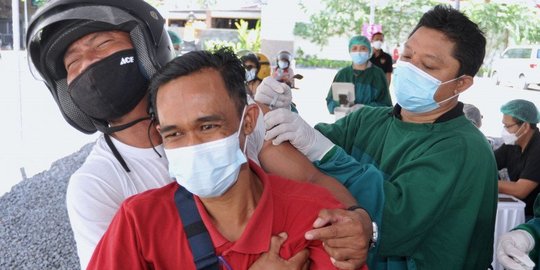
(34, 133)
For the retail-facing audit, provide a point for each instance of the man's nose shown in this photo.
(87, 60)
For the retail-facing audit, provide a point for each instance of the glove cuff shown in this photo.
(320, 147)
(529, 239)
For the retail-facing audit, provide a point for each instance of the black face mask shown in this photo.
(109, 88)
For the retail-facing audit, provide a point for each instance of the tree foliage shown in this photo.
(346, 17)
(248, 39)
(503, 24)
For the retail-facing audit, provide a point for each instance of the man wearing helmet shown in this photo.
(252, 66)
(283, 71)
(96, 57)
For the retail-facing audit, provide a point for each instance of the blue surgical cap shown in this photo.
(523, 110)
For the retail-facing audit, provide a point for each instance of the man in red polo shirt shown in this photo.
(205, 121)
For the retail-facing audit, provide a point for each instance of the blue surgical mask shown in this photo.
(359, 58)
(415, 89)
(208, 169)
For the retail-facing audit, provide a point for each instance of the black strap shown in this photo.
(115, 152)
(104, 127)
(199, 240)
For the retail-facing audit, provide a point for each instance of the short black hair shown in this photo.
(470, 43)
(223, 60)
(521, 122)
(377, 33)
(253, 58)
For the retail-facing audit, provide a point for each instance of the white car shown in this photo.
(518, 66)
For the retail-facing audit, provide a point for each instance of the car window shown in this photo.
(517, 53)
(538, 54)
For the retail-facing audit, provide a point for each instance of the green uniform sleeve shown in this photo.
(364, 181)
(381, 84)
(330, 102)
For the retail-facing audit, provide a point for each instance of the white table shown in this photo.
(510, 213)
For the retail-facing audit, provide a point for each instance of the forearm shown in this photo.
(519, 189)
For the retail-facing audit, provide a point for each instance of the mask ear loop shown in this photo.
(240, 128)
(152, 121)
(456, 93)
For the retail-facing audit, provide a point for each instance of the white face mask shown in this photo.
(510, 138)
(283, 64)
(251, 74)
(208, 169)
(377, 44)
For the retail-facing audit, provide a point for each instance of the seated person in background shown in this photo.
(283, 71)
(520, 153)
(370, 85)
(252, 66)
(473, 114)
(204, 120)
(518, 249)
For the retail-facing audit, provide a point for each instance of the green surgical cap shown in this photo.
(175, 38)
(523, 110)
(360, 40)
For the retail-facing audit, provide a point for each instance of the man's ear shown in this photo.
(464, 83)
(250, 119)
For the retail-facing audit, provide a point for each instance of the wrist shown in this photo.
(374, 233)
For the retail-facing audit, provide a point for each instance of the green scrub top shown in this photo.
(432, 188)
(370, 87)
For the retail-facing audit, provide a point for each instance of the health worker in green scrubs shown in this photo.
(424, 172)
(370, 84)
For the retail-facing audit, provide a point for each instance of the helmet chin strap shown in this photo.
(107, 131)
(110, 130)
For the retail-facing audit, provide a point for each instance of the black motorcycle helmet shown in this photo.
(58, 24)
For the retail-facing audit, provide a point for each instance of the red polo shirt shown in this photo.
(147, 233)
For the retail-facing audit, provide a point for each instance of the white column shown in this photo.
(15, 24)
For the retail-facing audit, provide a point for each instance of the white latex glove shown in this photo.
(255, 140)
(284, 125)
(274, 94)
(513, 249)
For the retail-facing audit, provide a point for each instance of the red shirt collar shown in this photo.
(256, 237)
